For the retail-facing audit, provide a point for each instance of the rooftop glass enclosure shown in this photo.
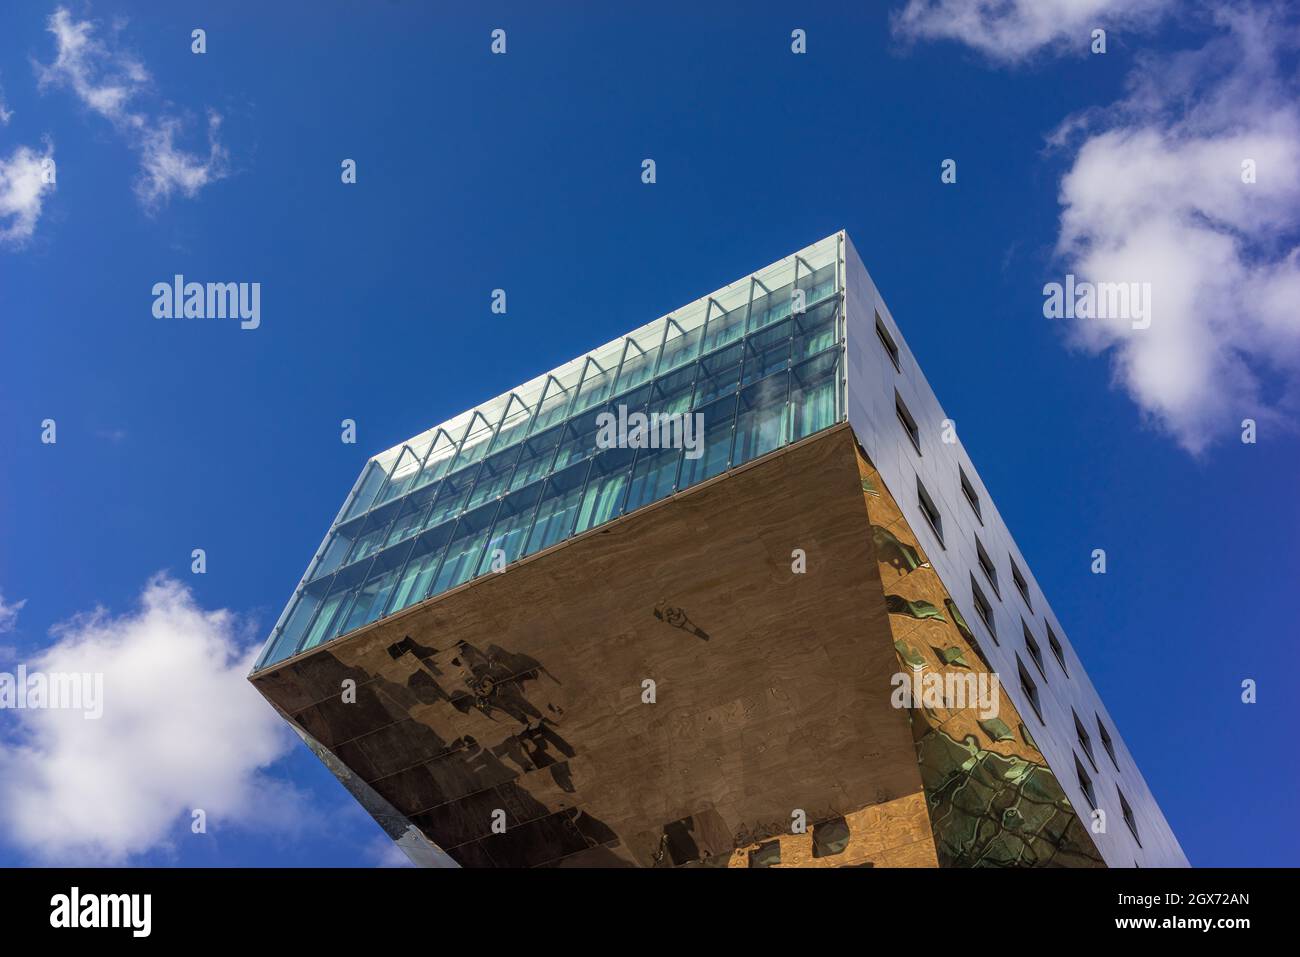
(526, 470)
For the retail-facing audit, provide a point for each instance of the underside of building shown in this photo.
(711, 680)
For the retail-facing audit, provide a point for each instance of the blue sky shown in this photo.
(522, 172)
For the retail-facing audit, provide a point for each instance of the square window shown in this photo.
(1031, 645)
(1085, 783)
(1107, 743)
(908, 423)
(986, 564)
(1057, 650)
(1019, 579)
(887, 341)
(1128, 815)
(1085, 741)
(968, 490)
(983, 609)
(930, 511)
(1029, 688)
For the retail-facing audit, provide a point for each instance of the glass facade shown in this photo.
(525, 471)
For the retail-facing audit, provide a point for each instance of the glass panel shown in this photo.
(679, 349)
(672, 393)
(768, 308)
(338, 548)
(606, 485)
(638, 363)
(411, 514)
(404, 473)
(453, 493)
(558, 508)
(596, 387)
(813, 386)
(461, 561)
(816, 330)
(494, 476)
(633, 401)
(535, 459)
(724, 328)
(373, 532)
(372, 597)
(716, 444)
(817, 285)
(719, 374)
(579, 440)
(333, 610)
(514, 425)
(375, 475)
(321, 625)
(305, 605)
(774, 334)
(654, 475)
(767, 352)
(420, 445)
(414, 584)
(436, 462)
(477, 440)
(553, 407)
(761, 423)
(511, 527)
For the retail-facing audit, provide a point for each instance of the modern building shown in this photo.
(531, 640)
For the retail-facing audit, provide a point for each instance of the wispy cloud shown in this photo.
(112, 82)
(182, 729)
(8, 619)
(1012, 31)
(6, 114)
(1157, 193)
(24, 184)
(9, 613)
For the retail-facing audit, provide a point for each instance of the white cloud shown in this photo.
(1014, 30)
(110, 82)
(9, 613)
(181, 729)
(1155, 194)
(6, 114)
(23, 187)
(167, 168)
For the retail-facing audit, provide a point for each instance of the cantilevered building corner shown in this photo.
(806, 638)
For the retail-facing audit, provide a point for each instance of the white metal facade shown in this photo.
(872, 381)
